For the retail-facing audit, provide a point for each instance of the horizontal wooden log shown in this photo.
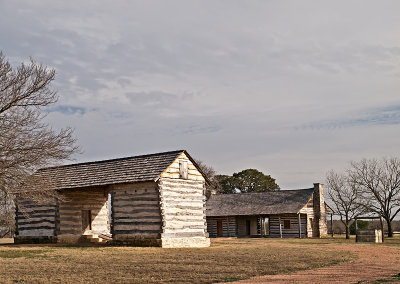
(183, 207)
(179, 204)
(136, 236)
(137, 223)
(137, 227)
(123, 214)
(136, 205)
(34, 222)
(176, 182)
(188, 219)
(183, 235)
(34, 208)
(37, 233)
(193, 228)
(185, 213)
(37, 211)
(139, 218)
(136, 211)
(147, 197)
(137, 232)
(34, 228)
(70, 232)
(70, 219)
(21, 216)
(30, 202)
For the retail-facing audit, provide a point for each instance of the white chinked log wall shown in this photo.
(182, 202)
(36, 222)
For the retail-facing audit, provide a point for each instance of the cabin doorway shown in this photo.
(248, 227)
(219, 228)
(86, 220)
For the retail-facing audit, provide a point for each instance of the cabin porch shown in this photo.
(83, 212)
(283, 225)
(76, 214)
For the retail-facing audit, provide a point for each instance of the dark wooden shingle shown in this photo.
(258, 203)
(108, 172)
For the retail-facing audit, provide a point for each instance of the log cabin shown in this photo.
(148, 200)
(284, 213)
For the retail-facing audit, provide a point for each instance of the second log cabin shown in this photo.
(285, 213)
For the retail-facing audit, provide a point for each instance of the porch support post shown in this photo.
(332, 225)
(298, 216)
(280, 227)
(112, 215)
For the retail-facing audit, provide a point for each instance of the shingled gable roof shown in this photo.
(258, 203)
(108, 172)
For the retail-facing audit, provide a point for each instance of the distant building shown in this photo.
(156, 199)
(283, 213)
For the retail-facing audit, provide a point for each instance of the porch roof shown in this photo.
(258, 203)
(107, 172)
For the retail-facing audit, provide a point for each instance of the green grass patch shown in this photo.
(392, 279)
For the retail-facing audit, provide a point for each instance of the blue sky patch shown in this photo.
(68, 110)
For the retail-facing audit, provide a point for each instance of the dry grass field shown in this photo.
(225, 260)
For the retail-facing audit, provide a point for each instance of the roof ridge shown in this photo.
(112, 160)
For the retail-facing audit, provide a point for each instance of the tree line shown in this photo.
(368, 187)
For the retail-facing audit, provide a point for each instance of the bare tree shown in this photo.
(345, 197)
(212, 184)
(6, 215)
(26, 142)
(379, 185)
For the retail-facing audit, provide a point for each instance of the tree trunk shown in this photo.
(347, 225)
(389, 227)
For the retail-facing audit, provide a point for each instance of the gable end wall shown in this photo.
(183, 209)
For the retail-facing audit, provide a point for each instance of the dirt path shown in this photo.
(373, 263)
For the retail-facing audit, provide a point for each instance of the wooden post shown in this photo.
(355, 220)
(332, 225)
(112, 217)
(299, 218)
(383, 232)
(261, 226)
(280, 227)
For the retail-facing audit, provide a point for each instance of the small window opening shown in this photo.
(183, 169)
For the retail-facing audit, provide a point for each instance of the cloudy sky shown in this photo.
(292, 88)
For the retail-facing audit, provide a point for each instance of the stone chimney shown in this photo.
(320, 229)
